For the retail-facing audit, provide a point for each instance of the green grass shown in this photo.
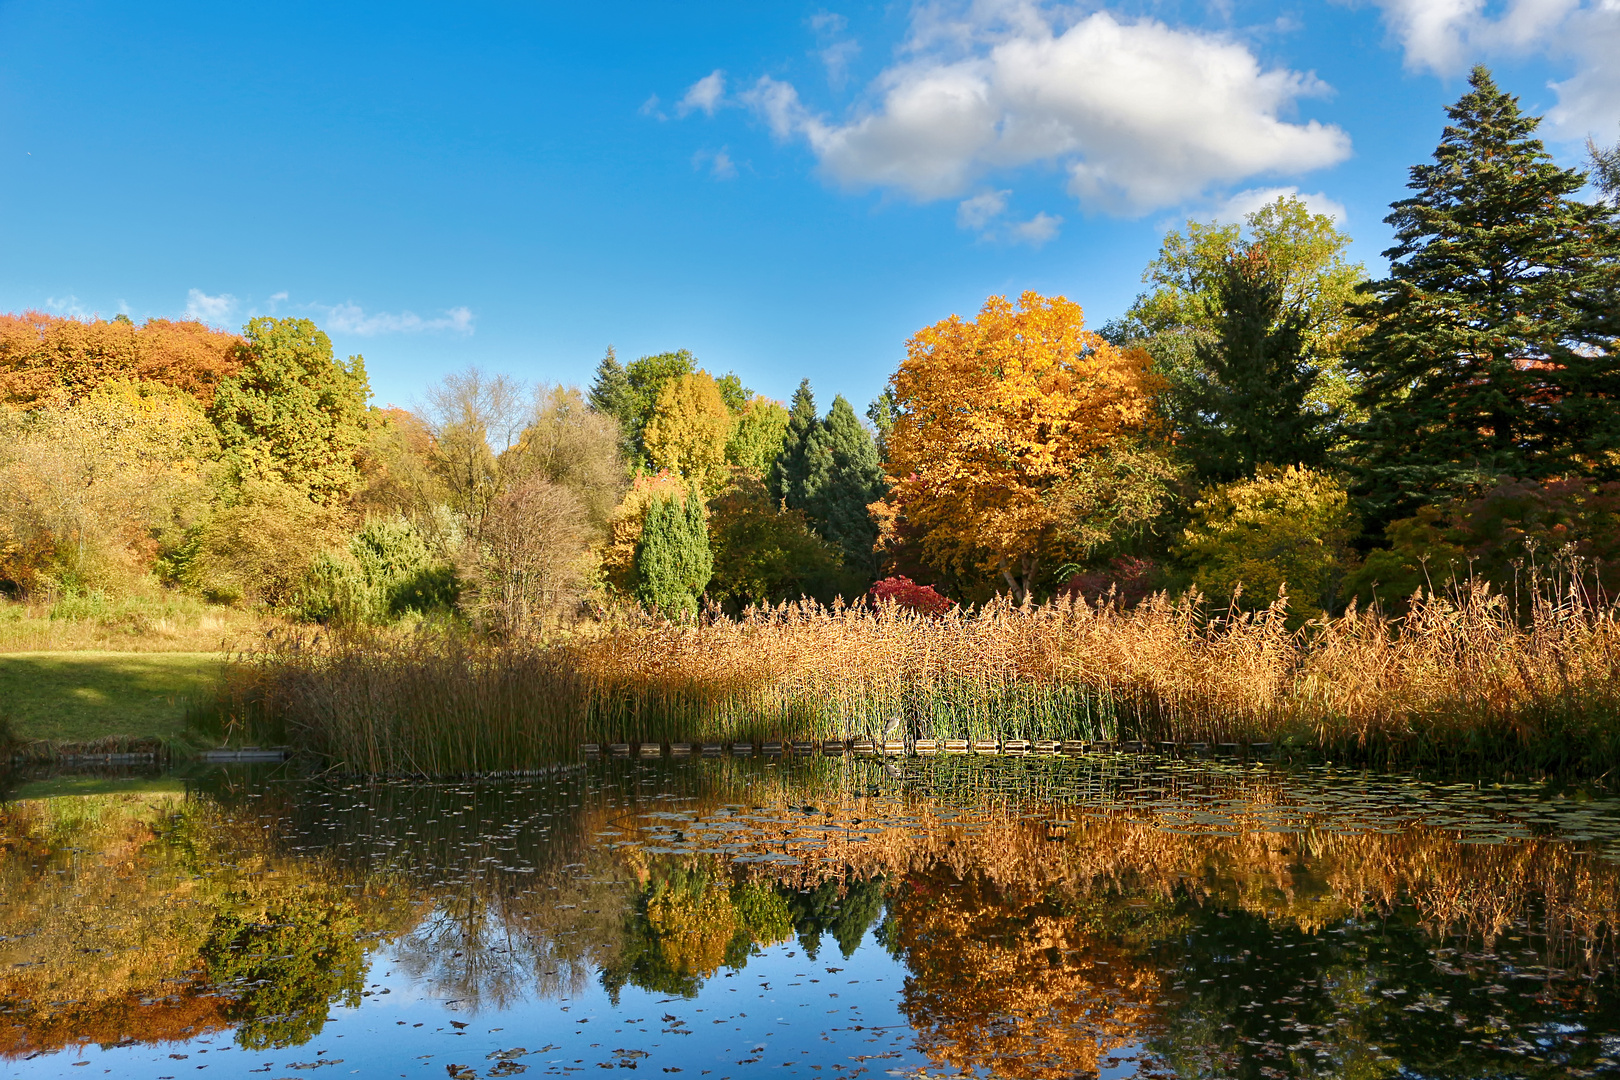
(81, 696)
(61, 786)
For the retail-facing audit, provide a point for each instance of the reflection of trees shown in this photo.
(157, 917)
(1011, 983)
(689, 921)
(845, 909)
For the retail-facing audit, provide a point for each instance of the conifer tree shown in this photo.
(673, 562)
(610, 390)
(1251, 401)
(792, 465)
(842, 477)
(1492, 342)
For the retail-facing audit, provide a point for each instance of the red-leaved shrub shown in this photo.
(907, 593)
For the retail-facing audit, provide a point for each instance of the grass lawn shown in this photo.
(79, 696)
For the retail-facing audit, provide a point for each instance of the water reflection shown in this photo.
(1026, 919)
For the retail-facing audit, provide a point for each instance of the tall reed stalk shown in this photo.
(1458, 679)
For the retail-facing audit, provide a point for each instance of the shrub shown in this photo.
(764, 553)
(1286, 527)
(673, 560)
(903, 592)
(384, 571)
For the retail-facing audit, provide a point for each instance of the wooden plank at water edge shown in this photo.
(804, 747)
(1015, 746)
(1074, 746)
(1046, 746)
(680, 749)
(620, 749)
(744, 749)
(773, 747)
(589, 748)
(955, 746)
(651, 749)
(986, 746)
(894, 747)
(926, 747)
(863, 746)
(832, 747)
(713, 749)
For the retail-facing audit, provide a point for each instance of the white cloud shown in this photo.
(69, 306)
(705, 94)
(650, 108)
(721, 167)
(214, 310)
(1235, 208)
(980, 210)
(350, 318)
(1037, 230)
(1140, 114)
(1445, 36)
(836, 51)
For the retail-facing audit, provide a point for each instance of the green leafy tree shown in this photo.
(673, 562)
(1251, 397)
(792, 466)
(843, 476)
(1492, 342)
(764, 553)
(1284, 527)
(1182, 309)
(294, 414)
(758, 436)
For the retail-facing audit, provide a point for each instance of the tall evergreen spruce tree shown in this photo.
(1491, 348)
(673, 561)
(792, 466)
(843, 476)
(1250, 400)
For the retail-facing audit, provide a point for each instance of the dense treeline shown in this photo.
(1263, 417)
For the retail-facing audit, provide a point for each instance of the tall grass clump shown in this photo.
(1460, 679)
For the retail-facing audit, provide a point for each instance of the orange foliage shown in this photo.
(996, 412)
(131, 1017)
(49, 360)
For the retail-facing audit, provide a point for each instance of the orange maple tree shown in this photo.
(50, 360)
(993, 414)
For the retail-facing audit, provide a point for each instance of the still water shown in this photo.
(1109, 916)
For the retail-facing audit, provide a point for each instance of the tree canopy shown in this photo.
(294, 414)
(993, 414)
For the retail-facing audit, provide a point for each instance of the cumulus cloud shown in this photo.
(705, 94)
(1445, 36)
(1139, 114)
(1235, 208)
(214, 310)
(350, 318)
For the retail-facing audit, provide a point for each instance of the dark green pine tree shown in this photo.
(611, 395)
(1491, 348)
(843, 476)
(792, 465)
(1249, 403)
(673, 561)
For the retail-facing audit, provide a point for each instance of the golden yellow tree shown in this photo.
(996, 412)
(688, 429)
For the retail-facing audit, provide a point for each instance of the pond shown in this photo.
(1102, 915)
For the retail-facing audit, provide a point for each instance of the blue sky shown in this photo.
(786, 189)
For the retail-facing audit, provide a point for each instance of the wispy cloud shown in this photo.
(719, 163)
(836, 51)
(705, 95)
(214, 310)
(351, 318)
(979, 211)
(1235, 208)
(69, 306)
(985, 214)
(1037, 230)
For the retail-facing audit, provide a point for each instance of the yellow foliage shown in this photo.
(996, 412)
(624, 528)
(1285, 528)
(687, 432)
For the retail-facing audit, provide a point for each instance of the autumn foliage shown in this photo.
(993, 415)
(49, 360)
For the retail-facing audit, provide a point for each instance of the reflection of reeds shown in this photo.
(1455, 680)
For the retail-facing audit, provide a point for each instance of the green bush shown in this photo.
(385, 570)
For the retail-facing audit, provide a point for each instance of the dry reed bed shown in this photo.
(1458, 680)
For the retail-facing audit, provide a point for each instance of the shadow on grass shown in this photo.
(91, 696)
